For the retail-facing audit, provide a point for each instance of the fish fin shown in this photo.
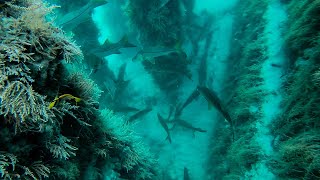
(117, 52)
(122, 72)
(169, 139)
(126, 44)
(189, 76)
(77, 99)
(200, 130)
(152, 61)
(139, 57)
(52, 104)
(174, 126)
(106, 43)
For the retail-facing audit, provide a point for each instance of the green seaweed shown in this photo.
(243, 92)
(40, 142)
(296, 131)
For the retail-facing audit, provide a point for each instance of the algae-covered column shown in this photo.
(275, 96)
(297, 134)
(234, 157)
(272, 71)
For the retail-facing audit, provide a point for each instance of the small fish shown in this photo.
(165, 126)
(185, 124)
(149, 54)
(213, 99)
(121, 73)
(203, 66)
(139, 114)
(193, 96)
(108, 48)
(72, 19)
(276, 65)
(64, 96)
(124, 109)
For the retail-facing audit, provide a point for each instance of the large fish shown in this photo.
(214, 100)
(109, 48)
(185, 124)
(203, 61)
(72, 19)
(165, 126)
(151, 53)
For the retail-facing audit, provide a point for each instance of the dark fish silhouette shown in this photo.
(165, 126)
(109, 48)
(121, 84)
(150, 53)
(213, 99)
(185, 124)
(203, 61)
(139, 114)
(121, 74)
(72, 19)
(194, 95)
(186, 174)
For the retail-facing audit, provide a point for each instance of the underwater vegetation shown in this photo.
(174, 67)
(302, 38)
(50, 123)
(297, 130)
(81, 99)
(244, 91)
(161, 26)
(154, 18)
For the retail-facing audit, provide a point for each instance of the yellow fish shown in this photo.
(67, 96)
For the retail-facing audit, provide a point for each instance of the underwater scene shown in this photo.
(160, 89)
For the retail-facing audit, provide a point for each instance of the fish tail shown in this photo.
(169, 138)
(138, 57)
(201, 130)
(125, 42)
(52, 104)
(77, 99)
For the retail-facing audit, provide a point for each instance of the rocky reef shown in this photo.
(50, 122)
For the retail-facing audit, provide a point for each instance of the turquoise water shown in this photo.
(159, 89)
